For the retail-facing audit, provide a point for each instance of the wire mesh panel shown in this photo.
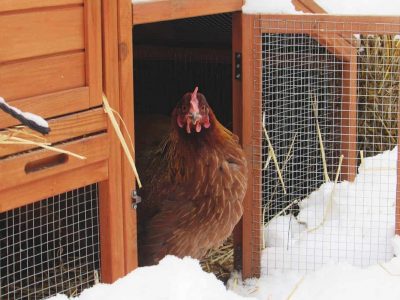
(50, 246)
(326, 116)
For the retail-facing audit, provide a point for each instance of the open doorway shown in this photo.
(170, 59)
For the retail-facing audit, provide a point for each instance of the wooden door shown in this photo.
(50, 59)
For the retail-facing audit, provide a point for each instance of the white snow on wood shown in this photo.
(27, 115)
(141, 1)
(172, 279)
(269, 7)
(361, 7)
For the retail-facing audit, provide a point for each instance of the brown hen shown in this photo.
(194, 185)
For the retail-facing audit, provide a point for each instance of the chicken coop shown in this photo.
(65, 222)
(322, 124)
(313, 99)
(68, 218)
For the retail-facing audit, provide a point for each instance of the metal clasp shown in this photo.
(136, 199)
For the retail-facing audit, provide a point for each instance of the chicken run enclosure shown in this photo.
(325, 93)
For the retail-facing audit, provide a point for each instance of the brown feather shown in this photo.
(193, 193)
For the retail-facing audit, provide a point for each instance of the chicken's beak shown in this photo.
(194, 117)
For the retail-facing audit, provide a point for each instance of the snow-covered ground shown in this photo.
(358, 226)
(332, 282)
(172, 279)
(351, 248)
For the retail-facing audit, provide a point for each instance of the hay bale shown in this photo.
(378, 92)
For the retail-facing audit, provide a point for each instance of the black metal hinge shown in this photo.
(238, 66)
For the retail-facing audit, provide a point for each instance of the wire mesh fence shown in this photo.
(50, 246)
(326, 118)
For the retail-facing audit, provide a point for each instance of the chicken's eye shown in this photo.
(203, 108)
(184, 108)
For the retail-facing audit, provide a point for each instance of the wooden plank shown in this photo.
(111, 204)
(13, 169)
(64, 128)
(93, 50)
(335, 44)
(126, 109)
(237, 105)
(29, 34)
(162, 10)
(53, 185)
(257, 138)
(252, 206)
(349, 120)
(308, 6)
(10, 5)
(50, 105)
(42, 76)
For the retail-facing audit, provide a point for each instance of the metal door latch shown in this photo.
(136, 199)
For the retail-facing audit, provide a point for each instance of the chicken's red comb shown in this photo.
(194, 94)
(194, 102)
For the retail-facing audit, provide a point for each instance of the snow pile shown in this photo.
(173, 278)
(345, 222)
(333, 281)
(361, 7)
(269, 7)
(339, 229)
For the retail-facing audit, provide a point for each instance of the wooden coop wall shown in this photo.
(308, 77)
(57, 59)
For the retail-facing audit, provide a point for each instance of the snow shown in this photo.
(345, 222)
(358, 231)
(172, 279)
(338, 7)
(361, 7)
(334, 281)
(27, 115)
(141, 1)
(269, 7)
(396, 245)
(351, 248)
